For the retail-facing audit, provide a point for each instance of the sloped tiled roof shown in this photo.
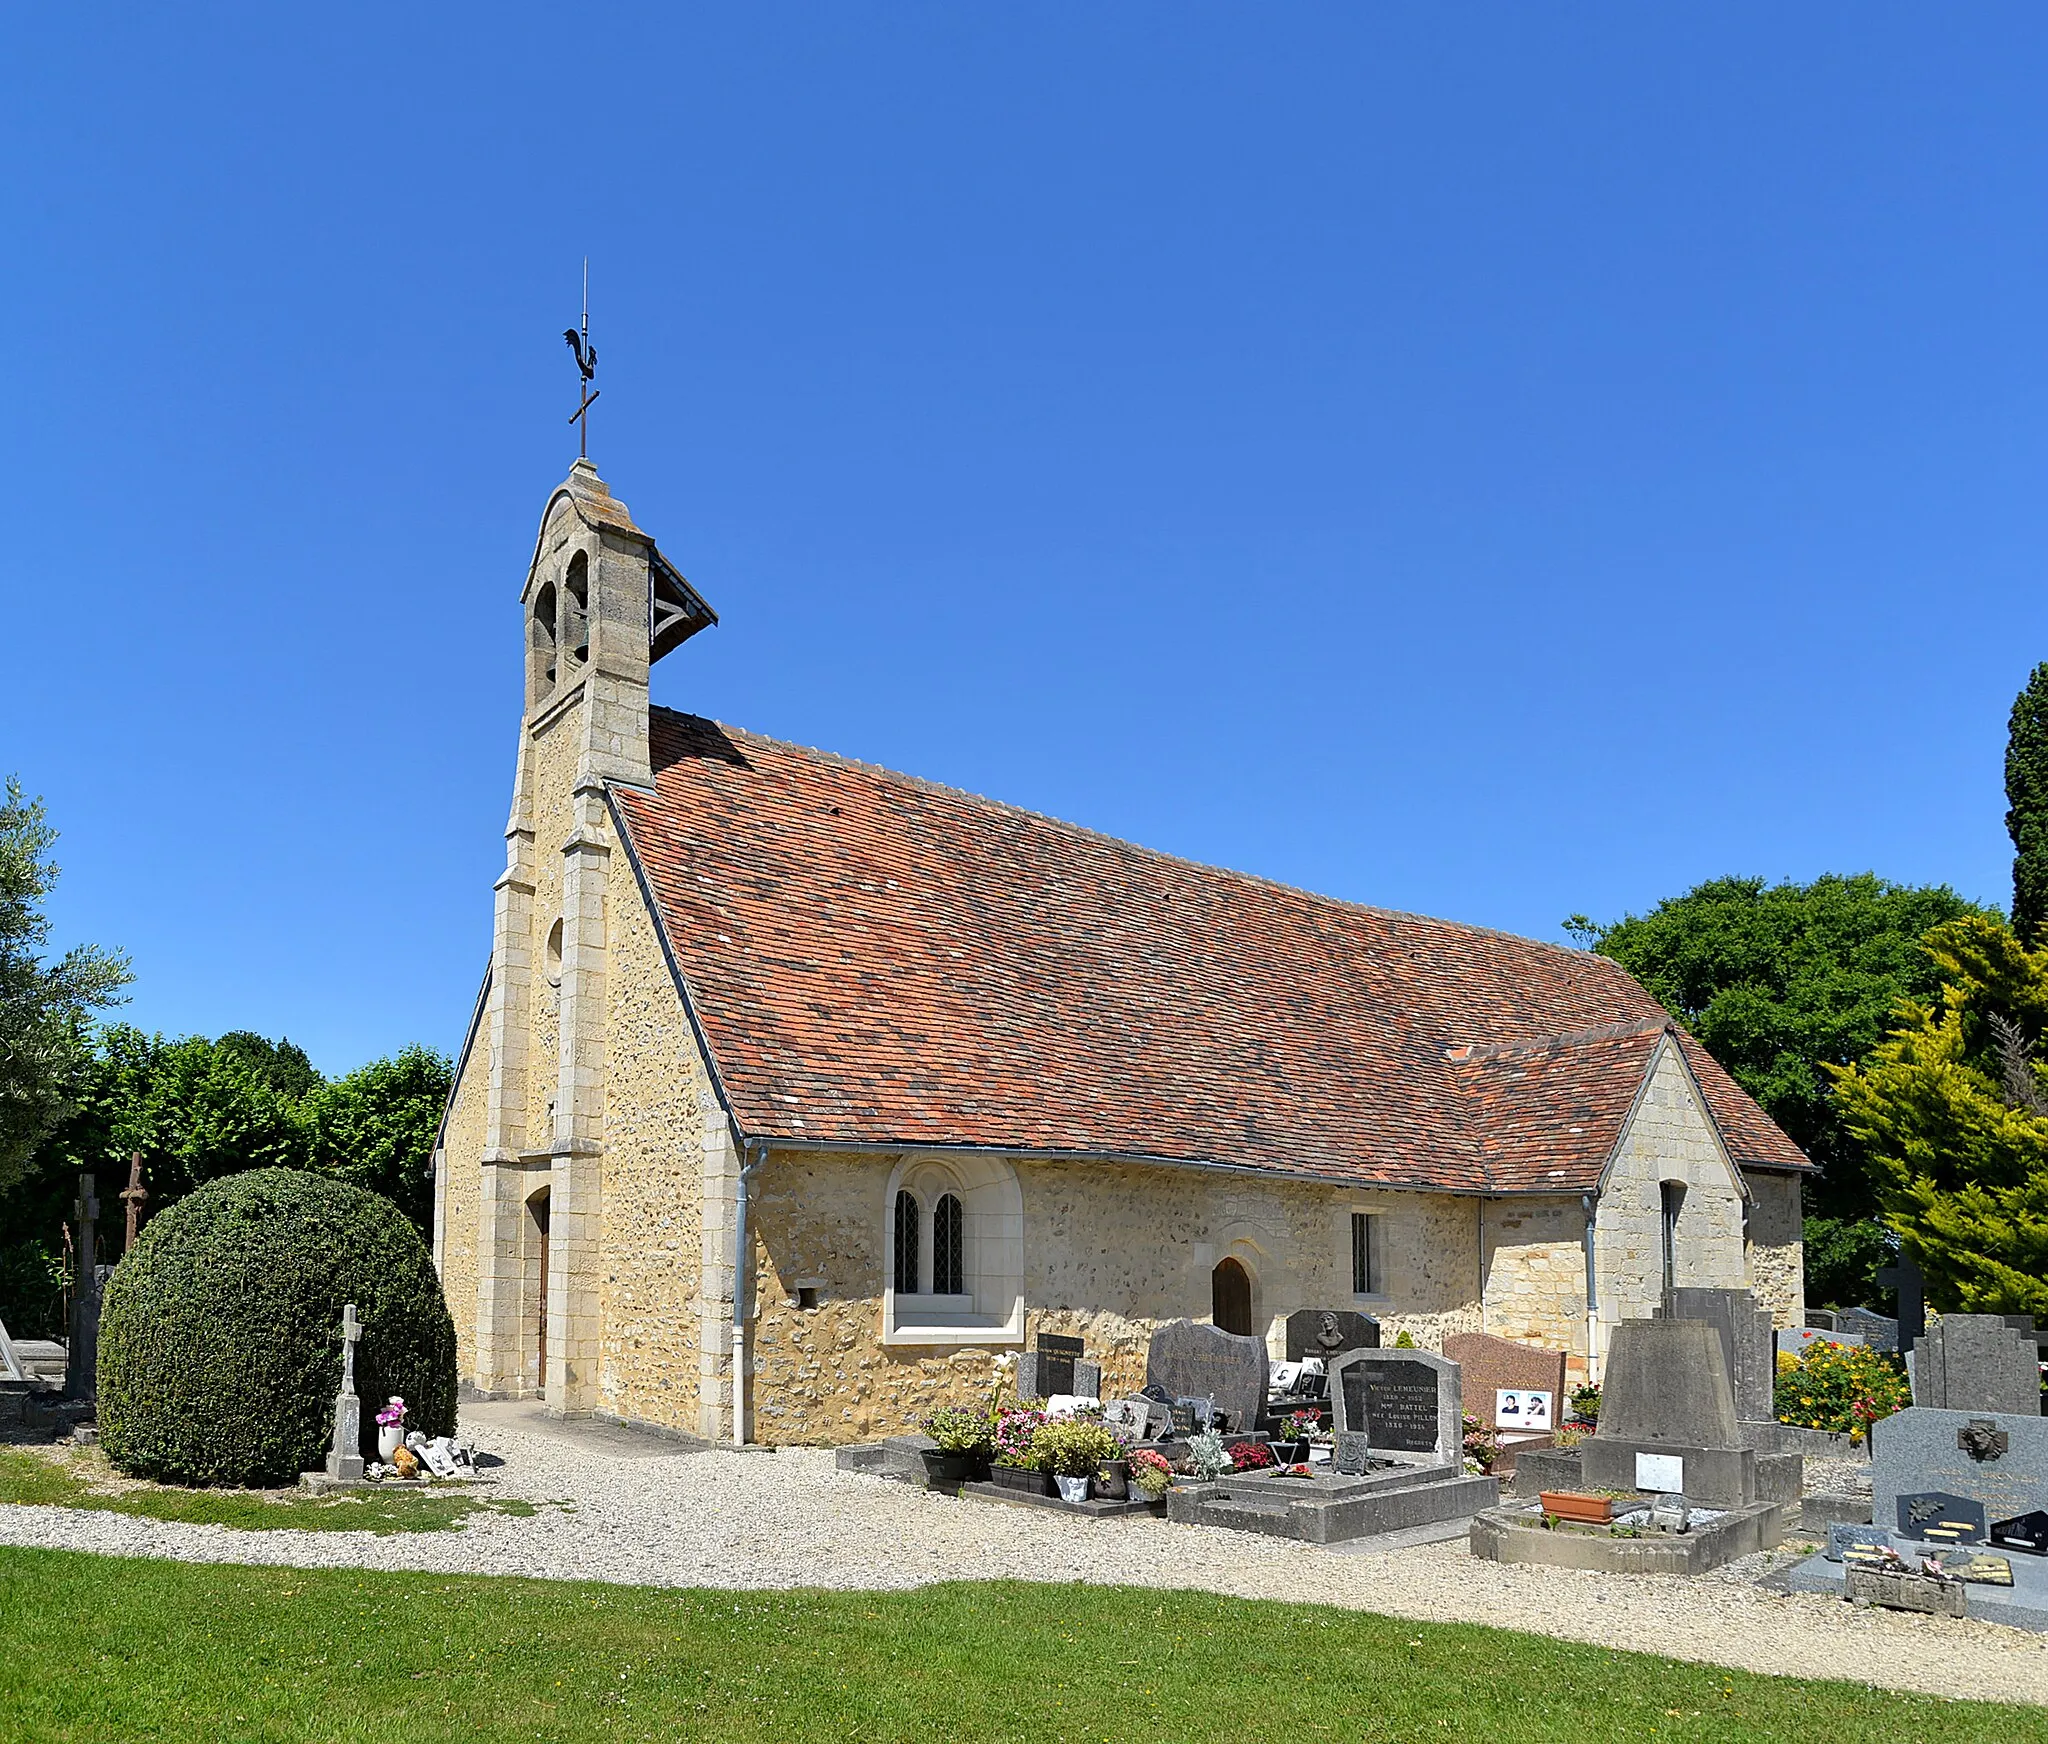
(878, 960)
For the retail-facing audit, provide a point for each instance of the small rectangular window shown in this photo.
(1365, 1274)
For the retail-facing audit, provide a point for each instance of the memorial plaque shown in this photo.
(1936, 1517)
(1329, 1332)
(2029, 1532)
(1842, 1539)
(1354, 1454)
(1181, 1414)
(1397, 1403)
(1662, 1472)
(1522, 1408)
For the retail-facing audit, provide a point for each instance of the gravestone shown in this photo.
(1057, 1366)
(345, 1453)
(1996, 1462)
(1667, 1422)
(1192, 1360)
(1329, 1333)
(2028, 1532)
(1494, 1373)
(1878, 1331)
(1976, 1362)
(1352, 1454)
(1408, 1403)
(1747, 1349)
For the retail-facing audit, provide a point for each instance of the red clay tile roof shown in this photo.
(877, 960)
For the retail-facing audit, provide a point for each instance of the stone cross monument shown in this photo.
(345, 1456)
(132, 1196)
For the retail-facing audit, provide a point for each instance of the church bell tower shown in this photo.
(599, 607)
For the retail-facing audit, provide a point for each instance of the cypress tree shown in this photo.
(2026, 789)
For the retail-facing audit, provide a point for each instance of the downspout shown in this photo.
(1590, 1205)
(742, 1270)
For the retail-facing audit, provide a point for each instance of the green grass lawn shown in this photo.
(64, 1480)
(98, 1649)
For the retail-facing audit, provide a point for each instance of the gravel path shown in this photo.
(637, 1510)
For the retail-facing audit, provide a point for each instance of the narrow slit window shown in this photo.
(1365, 1277)
(1672, 1194)
(906, 1244)
(947, 1271)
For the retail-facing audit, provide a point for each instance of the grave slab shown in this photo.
(2023, 1605)
(1516, 1533)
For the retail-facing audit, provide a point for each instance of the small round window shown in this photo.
(555, 955)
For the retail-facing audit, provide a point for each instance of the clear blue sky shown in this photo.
(1493, 461)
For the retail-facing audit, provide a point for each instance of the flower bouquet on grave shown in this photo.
(965, 1438)
(1151, 1474)
(1250, 1456)
(1586, 1404)
(1297, 1430)
(1482, 1446)
(1018, 1463)
(391, 1429)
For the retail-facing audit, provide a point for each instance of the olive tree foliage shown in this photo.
(44, 1007)
(2026, 793)
(1781, 982)
(1951, 1111)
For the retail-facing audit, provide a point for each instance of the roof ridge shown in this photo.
(1068, 825)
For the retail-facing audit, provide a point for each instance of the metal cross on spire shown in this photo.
(586, 361)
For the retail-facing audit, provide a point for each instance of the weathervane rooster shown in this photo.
(586, 363)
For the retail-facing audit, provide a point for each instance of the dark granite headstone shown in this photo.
(1192, 1360)
(1879, 1331)
(1747, 1347)
(1976, 1362)
(1936, 1517)
(1329, 1333)
(1057, 1355)
(1407, 1402)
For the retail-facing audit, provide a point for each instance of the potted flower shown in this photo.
(1575, 1505)
(1250, 1456)
(391, 1428)
(965, 1441)
(1075, 1450)
(1112, 1481)
(1586, 1404)
(1017, 1463)
(1151, 1476)
(1297, 1430)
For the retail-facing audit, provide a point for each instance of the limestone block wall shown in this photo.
(1535, 1262)
(1110, 1252)
(1670, 1138)
(655, 1093)
(1777, 1247)
(455, 1191)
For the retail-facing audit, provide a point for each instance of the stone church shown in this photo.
(941, 1074)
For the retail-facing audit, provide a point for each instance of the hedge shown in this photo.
(220, 1333)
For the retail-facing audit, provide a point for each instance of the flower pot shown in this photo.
(1073, 1489)
(1113, 1482)
(941, 1467)
(1288, 1452)
(1570, 1505)
(1021, 1478)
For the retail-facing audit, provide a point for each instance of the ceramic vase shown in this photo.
(390, 1437)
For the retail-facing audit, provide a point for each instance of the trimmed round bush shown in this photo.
(220, 1334)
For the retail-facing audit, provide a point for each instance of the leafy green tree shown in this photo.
(1780, 982)
(1951, 1111)
(44, 1008)
(375, 1128)
(2026, 792)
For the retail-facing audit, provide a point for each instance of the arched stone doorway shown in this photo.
(1230, 1297)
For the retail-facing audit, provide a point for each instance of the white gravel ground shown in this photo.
(636, 1510)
